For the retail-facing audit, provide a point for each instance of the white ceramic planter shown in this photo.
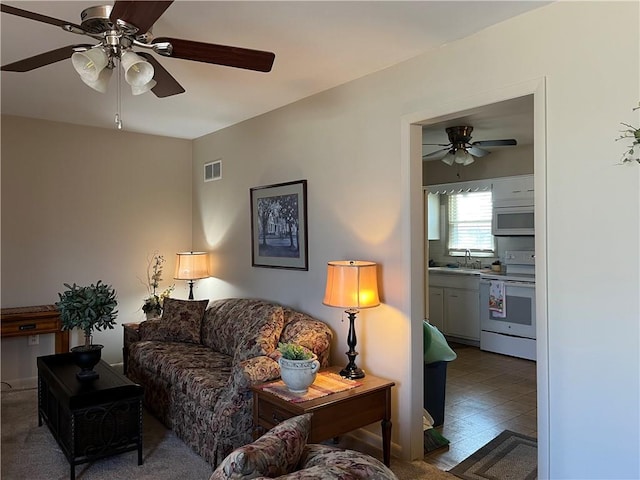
(298, 374)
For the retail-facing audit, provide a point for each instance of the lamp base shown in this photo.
(352, 372)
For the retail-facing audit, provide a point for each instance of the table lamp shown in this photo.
(353, 285)
(192, 266)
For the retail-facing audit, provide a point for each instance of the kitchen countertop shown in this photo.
(460, 270)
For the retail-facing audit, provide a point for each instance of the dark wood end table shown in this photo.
(334, 414)
(93, 419)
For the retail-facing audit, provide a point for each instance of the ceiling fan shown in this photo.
(120, 28)
(461, 150)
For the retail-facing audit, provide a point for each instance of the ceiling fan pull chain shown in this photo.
(118, 118)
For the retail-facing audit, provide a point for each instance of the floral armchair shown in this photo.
(283, 453)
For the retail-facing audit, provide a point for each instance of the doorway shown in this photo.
(412, 133)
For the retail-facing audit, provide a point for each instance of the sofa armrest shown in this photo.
(253, 371)
(310, 333)
(149, 329)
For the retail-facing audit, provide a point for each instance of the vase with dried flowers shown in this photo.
(632, 154)
(152, 305)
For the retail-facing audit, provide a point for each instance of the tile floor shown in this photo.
(486, 393)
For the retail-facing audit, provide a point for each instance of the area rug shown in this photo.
(29, 452)
(509, 456)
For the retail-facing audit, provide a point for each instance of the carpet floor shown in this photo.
(509, 456)
(29, 452)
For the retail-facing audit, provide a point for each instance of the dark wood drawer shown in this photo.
(22, 327)
(270, 415)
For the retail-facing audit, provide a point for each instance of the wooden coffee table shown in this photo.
(89, 420)
(334, 414)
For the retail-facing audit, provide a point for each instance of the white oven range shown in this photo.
(509, 326)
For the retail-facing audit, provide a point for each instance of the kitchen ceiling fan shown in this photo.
(461, 150)
(120, 28)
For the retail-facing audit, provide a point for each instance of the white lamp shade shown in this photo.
(89, 64)
(102, 81)
(351, 284)
(192, 265)
(463, 157)
(137, 71)
(448, 158)
(135, 90)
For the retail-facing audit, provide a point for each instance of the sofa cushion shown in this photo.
(243, 328)
(181, 321)
(194, 370)
(276, 453)
(354, 464)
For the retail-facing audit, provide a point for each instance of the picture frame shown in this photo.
(279, 226)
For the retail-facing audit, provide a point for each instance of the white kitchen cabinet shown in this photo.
(432, 210)
(436, 307)
(513, 188)
(463, 315)
(454, 305)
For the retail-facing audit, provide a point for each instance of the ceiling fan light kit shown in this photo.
(461, 150)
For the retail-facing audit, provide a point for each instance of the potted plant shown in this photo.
(632, 154)
(298, 367)
(87, 308)
(152, 306)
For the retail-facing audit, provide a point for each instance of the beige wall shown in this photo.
(363, 198)
(83, 204)
(500, 163)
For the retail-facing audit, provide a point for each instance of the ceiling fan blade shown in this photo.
(477, 152)
(35, 16)
(435, 153)
(495, 143)
(437, 144)
(43, 59)
(218, 54)
(139, 14)
(166, 85)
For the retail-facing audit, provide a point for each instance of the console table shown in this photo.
(25, 321)
(334, 414)
(89, 420)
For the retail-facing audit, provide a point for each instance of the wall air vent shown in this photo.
(213, 171)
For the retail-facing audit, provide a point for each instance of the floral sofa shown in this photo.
(197, 365)
(283, 453)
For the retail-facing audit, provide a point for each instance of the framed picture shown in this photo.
(279, 226)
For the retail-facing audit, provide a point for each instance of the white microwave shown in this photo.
(513, 220)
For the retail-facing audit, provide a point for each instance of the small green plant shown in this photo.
(88, 308)
(291, 351)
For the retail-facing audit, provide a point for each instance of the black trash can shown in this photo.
(437, 353)
(435, 380)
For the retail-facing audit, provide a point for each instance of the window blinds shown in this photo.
(470, 223)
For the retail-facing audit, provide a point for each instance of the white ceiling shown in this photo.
(318, 45)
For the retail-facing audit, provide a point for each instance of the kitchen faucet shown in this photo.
(467, 256)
